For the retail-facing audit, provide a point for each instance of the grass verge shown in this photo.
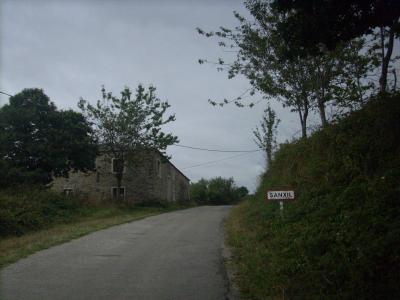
(14, 248)
(244, 245)
(340, 238)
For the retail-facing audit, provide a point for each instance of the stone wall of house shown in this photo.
(169, 183)
(150, 179)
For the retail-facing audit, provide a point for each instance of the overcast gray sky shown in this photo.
(70, 48)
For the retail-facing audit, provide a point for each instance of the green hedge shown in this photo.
(23, 210)
(341, 238)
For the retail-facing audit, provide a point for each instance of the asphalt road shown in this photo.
(171, 256)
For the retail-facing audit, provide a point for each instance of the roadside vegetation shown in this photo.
(39, 142)
(340, 238)
(32, 209)
(217, 191)
(54, 220)
(334, 63)
(32, 219)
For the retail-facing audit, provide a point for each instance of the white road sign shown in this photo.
(280, 195)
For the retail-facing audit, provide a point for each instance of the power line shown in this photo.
(5, 94)
(218, 160)
(216, 150)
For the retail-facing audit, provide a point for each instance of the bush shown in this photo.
(216, 191)
(23, 210)
(340, 239)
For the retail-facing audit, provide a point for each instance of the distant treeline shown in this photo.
(217, 191)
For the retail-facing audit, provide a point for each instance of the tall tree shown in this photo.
(337, 22)
(303, 83)
(37, 141)
(265, 136)
(339, 77)
(352, 86)
(260, 58)
(309, 24)
(382, 47)
(129, 125)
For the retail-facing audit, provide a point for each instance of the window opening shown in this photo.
(117, 165)
(67, 191)
(115, 192)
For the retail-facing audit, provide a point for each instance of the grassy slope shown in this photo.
(340, 239)
(14, 248)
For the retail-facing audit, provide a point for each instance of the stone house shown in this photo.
(153, 178)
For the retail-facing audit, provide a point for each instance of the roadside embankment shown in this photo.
(340, 238)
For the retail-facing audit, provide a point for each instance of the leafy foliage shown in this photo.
(37, 141)
(129, 125)
(216, 191)
(339, 240)
(337, 21)
(302, 83)
(24, 210)
(199, 192)
(265, 137)
(130, 122)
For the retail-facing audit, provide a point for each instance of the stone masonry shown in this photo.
(152, 179)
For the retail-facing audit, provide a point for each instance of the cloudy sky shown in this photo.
(71, 48)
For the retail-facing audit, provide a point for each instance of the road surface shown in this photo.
(171, 256)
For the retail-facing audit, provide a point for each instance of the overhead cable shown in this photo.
(215, 150)
(218, 160)
(5, 94)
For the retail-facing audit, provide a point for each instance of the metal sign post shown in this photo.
(281, 196)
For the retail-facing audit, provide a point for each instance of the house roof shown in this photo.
(179, 170)
(173, 165)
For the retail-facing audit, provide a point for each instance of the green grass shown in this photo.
(340, 239)
(13, 248)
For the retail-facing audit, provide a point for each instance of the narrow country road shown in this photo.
(171, 256)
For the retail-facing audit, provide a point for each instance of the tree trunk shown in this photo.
(320, 92)
(303, 114)
(386, 57)
(321, 109)
(269, 158)
(304, 130)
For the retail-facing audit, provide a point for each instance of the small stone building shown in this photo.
(152, 178)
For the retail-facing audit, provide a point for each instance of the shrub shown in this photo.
(340, 239)
(22, 210)
(217, 191)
